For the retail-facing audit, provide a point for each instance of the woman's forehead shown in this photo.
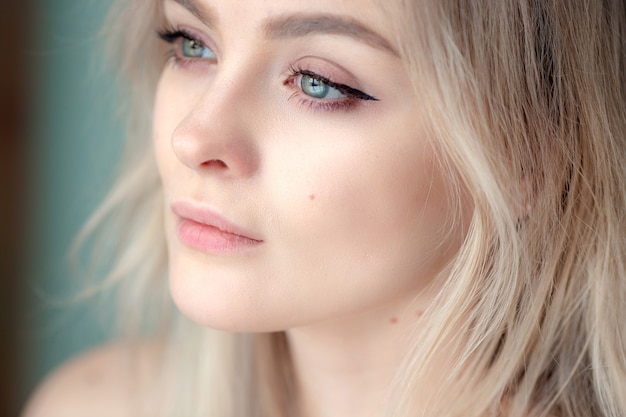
(381, 17)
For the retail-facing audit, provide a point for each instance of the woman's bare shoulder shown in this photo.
(102, 382)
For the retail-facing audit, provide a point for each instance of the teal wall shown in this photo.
(74, 143)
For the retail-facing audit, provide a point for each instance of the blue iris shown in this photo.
(193, 49)
(317, 88)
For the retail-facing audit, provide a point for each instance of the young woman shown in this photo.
(366, 208)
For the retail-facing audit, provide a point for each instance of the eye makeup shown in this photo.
(186, 48)
(344, 97)
(313, 88)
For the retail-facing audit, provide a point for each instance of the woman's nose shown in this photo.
(218, 135)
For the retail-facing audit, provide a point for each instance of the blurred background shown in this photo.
(59, 143)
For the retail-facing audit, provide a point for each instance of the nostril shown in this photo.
(215, 163)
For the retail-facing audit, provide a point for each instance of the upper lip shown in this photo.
(210, 218)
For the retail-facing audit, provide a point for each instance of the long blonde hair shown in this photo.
(527, 102)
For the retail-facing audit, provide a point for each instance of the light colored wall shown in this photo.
(74, 146)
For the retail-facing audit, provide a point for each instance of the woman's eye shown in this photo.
(190, 48)
(318, 88)
(322, 89)
(186, 46)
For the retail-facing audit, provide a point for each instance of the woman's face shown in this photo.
(300, 183)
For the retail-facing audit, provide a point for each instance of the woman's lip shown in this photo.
(205, 217)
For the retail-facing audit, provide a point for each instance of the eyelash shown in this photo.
(173, 36)
(352, 96)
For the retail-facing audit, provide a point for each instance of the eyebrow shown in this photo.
(204, 14)
(299, 25)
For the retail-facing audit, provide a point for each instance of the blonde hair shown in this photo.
(527, 102)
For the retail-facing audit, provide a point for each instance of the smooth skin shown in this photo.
(348, 201)
(348, 198)
(312, 141)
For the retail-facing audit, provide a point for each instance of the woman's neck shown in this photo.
(344, 367)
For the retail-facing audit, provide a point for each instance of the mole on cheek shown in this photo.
(393, 320)
(312, 197)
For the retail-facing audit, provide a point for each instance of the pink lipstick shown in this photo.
(209, 232)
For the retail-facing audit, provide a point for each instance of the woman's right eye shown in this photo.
(186, 45)
(190, 48)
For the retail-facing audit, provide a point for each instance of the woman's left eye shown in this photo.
(319, 88)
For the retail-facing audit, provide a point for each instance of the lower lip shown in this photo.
(212, 240)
